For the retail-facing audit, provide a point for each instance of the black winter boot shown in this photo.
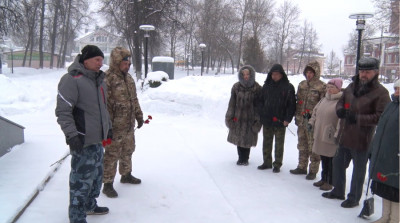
(128, 178)
(109, 191)
(240, 155)
(246, 155)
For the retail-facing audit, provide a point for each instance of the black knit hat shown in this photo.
(90, 51)
(368, 63)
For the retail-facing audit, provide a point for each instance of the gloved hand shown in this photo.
(351, 118)
(75, 144)
(110, 134)
(341, 113)
(140, 123)
(309, 127)
(109, 138)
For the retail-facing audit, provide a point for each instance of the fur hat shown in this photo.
(396, 83)
(337, 82)
(90, 51)
(368, 63)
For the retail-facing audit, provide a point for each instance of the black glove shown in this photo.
(110, 134)
(75, 144)
(309, 127)
(351, 118)
(139, 123)
(341, 113)
(307, 115)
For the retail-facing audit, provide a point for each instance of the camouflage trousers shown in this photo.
(268, 134)
(119, 152)
(304, 145)
(84, 181)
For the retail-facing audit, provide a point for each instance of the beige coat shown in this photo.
(324, 121)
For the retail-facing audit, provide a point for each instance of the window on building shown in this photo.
(390, 58)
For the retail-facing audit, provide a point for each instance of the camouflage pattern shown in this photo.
(305, 143)
(269, 133)
(120, 150)
(85, 181)
(309, 93)
(124, 109)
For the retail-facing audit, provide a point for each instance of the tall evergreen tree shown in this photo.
(253, 54)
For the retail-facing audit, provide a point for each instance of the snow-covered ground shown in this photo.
(188, 169)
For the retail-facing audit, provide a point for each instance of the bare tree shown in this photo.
(332, 63)
(286, 21)
(10, 16)
(243, 8)
(302, 43)
(41, 35)
(260, 17)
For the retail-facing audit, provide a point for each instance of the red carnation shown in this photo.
(235, 119)
(300, 102)
(346, 106)
(149, 116)
(147, 121)
(275, 119)
(382, 177)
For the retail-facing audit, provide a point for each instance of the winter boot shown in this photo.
(128, 178)
(264, 166)
(276, 169)
(298, 171)
(246, 154)
(109, 191)
(319, 183)
(326, 187)
(240, 156)
(311, 176)
(98, 211)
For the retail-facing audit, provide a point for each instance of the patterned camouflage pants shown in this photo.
(305, 144)
(269, 133)
(85, 181)
(119, 152)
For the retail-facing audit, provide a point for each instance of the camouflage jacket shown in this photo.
(309, 93)
(123, 104)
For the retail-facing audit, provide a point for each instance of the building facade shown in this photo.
(100, 37)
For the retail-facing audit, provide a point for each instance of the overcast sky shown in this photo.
(331, 20)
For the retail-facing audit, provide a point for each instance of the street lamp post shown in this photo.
(146, 28)
(360, 27)
(202, 48)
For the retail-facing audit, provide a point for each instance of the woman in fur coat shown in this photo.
(242, 117)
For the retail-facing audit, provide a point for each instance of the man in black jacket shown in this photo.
(278, 105)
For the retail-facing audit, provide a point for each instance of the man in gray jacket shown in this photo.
(82, 114)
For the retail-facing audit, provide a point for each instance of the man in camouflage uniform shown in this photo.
(124, 109)
(309, 93)
(82, 115)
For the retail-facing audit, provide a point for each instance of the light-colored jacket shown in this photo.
(324, 121)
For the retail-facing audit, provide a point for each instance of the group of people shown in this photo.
(98, 110)
(335, 126)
